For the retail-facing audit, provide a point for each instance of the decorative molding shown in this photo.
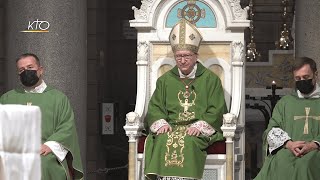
(227, 75)
(237, 51)
(142, 14)
(133, 136)
(155, 71)
(142, 50)
(228, 134)
(238, 12)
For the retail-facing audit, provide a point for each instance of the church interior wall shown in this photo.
(92, 112)
(307, 25)
(2, 56)
(111, 79)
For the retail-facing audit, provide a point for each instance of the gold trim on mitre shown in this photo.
(185, 36)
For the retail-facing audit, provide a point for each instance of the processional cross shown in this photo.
(306, 117)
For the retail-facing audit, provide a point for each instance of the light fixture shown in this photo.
(252, 53)
(285, 42)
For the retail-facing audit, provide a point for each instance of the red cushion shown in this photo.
(218, 147)
(141, 142)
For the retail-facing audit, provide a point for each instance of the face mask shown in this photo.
(305, 86)
(29, 78)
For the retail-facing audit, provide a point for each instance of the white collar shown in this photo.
(191, 75)
(314, 94)
(38, 89)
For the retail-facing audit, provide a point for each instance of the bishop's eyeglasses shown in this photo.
(179, 57)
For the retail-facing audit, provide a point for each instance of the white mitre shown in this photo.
(185, 36)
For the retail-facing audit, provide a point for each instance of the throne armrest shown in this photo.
(133, 129)
(229, 126)
(133, 126)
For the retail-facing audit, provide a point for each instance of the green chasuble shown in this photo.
(177, 154)
(57, 125)
(300, 118)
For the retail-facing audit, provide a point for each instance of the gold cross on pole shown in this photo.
(306, 118)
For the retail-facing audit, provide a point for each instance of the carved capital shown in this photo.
(133, 136)
(237, 51)
(238, 12)
(229, 125)
(133, 126)
(132, 119)
(142, 14)
(228, 134)
(229, 120)
(143, 50)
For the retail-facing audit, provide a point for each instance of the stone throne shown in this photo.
(222, 25)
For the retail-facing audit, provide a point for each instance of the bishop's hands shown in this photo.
(164, 129)
(300, 148)
(45, 150)
(192, 131)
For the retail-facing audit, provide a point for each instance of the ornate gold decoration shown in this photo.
(191, 12)
(285, 42)
(175, 145)
(186, 103)
(252, 54)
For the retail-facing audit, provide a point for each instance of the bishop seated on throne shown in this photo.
(184, 113)
(184, 89)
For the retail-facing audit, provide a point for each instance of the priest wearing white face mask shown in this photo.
(293, 134)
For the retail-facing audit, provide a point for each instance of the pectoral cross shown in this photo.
(186, 105)
(306, 118)
(29, 103)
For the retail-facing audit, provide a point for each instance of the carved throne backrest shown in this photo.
(221, 24)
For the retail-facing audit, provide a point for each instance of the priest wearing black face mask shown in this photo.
(60, 155)
(30, 72)
(293, 134)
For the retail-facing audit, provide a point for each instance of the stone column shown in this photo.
(307, 26)
(62, 50)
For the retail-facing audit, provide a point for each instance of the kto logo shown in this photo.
(38, 26)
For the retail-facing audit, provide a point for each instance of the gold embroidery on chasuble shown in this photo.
(175, 145)
(174, 155)
(187, 100)
(306, 119)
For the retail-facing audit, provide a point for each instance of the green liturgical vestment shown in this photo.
(300, 118)
(182, 102)
(57, 125)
